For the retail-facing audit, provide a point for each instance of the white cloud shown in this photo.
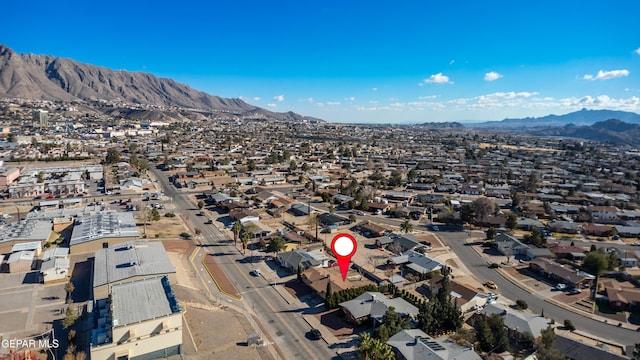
(438, 79)
(374, 89)
(452, 62)
(333, 102)
(257, 98)
(427, 97)
(278, 98)
(374, 102)
(271, 105)
(309, 100)
(492, 76)
(606, 75)
(351, 98)
(637, 51)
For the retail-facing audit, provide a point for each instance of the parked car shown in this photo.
(254, 272)
(560, 287)
(209, 221)
(574, 291)
(491, 285)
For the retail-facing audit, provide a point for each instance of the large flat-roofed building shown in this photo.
(140, 320)
(102, 230)
(130, 261)
(8, 175)
(25, 231)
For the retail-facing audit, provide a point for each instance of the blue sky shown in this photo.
(359, 61)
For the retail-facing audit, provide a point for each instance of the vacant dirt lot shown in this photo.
(165, 228)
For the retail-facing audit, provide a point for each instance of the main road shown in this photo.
(474, 262)
(282, 321)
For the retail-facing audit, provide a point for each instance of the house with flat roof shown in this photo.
(140, 320)
(415, 344)
(102, 230)
(130, 261)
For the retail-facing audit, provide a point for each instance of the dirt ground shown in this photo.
(220, 277)
(217, 341)
(165, 228)
(202, 337)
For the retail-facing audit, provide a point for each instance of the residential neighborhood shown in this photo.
(129, 236)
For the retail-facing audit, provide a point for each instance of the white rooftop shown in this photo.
(130, 259)
(142, 300)
(103, 224)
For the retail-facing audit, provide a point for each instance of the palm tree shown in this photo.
(245, 240)
(236, 230)
(365, 345)
(406, 226)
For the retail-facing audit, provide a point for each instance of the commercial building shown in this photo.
(140, 320)
(130, 261)
(102, 230)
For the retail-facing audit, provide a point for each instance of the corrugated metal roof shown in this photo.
(131, 259)
(143, 300)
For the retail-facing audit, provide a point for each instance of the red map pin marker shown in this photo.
(343, 247)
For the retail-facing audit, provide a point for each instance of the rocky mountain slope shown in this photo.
(46, 77)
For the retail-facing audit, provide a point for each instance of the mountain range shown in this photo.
(582, 117)
(45, 77)
(612, 130)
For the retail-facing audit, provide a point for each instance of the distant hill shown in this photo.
(608, 131)
(45, 77)
(441, 125)
(582, 117)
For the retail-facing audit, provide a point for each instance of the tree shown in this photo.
(374, 349)
(352, 218)
(491, 233)
(512, 221)
(41, 177)
(113, 156)
(527, 340)
(547, 337)
(251, 165)
(482, 207)
(466, 213)
(293, 166)
(276, 245)
(568, 324)
(69, 287)
(69, 318)
(329, 290)
(154, 214)
(595, 263)
(483, 333)
(236, 230)
(499, 331)
(245, 241)
(521, 304)
(12, 138)
(406, 226)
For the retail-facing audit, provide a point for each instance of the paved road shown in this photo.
(474, 262)
(283, 322)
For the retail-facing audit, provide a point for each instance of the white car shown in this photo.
(560, 286)
(255, 272)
